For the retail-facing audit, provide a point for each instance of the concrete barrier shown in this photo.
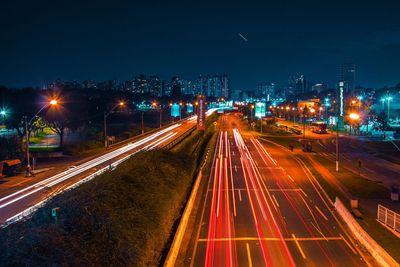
(176, 243)
(380, 255)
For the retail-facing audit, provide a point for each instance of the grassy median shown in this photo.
(121, 218)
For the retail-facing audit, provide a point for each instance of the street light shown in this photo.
(354, 117)
(180, 110)
(52, 102)
(251, 113)
(389, 98)
(287, 112)
(106, 114)
(154, 104)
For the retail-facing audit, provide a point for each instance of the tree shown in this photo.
(381, 122)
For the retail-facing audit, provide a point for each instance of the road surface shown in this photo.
(20, 200)
(262, 211)
(351, 150)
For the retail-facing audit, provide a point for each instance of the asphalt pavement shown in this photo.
(261, 210)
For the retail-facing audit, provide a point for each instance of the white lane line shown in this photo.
(290, 177)
(302, 191)
(240, 196)
(322, 214)
(299, 247)
(276, 202)
(249, 255)
(319, 231)
(348, 244)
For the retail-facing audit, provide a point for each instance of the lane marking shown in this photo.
(235, 168)
(312, 214)
(304, 193)
(299, 247)
(224, 239)
(276, 202)
(240, 196)
(323, 215)
(290, 177)
(319, 231)
(249, 255)
(348, 244)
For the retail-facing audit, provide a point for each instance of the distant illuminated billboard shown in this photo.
(189, 108)
(260, 109)
(175, 110)
(341, 99)
(201, 113)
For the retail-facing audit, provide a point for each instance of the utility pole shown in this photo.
(142, 124)
(105, 130)
(106, 114)
(27, 144)
(160, 115)
(337, 135)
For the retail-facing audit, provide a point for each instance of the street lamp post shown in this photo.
(337, 144)
(53, 102)
(154, 104)
(354, 117)
(389, 98)
(3, 114)
(294, 116)
(180, 111)
(288, 113)
(106, 114)
(251, 113)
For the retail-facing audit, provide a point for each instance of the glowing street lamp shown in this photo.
(52, 102)
(106, 114)
(354, 116)
(154, 104)
(251, 112)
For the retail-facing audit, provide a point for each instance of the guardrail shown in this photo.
(133, 138)
(180, 138)
(389, 218)
(379, 254)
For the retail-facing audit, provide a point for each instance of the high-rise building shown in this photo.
(300, 85)
(187, 87)
(212, 85)
(225, 85)
(165, 87)
(140, 84)
(154, 86)
(319, 87)
(348, 75)
(265, 90)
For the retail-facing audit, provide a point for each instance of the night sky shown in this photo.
(41, 41)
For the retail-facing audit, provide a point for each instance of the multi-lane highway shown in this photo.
(22, 200)
(263, 210)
